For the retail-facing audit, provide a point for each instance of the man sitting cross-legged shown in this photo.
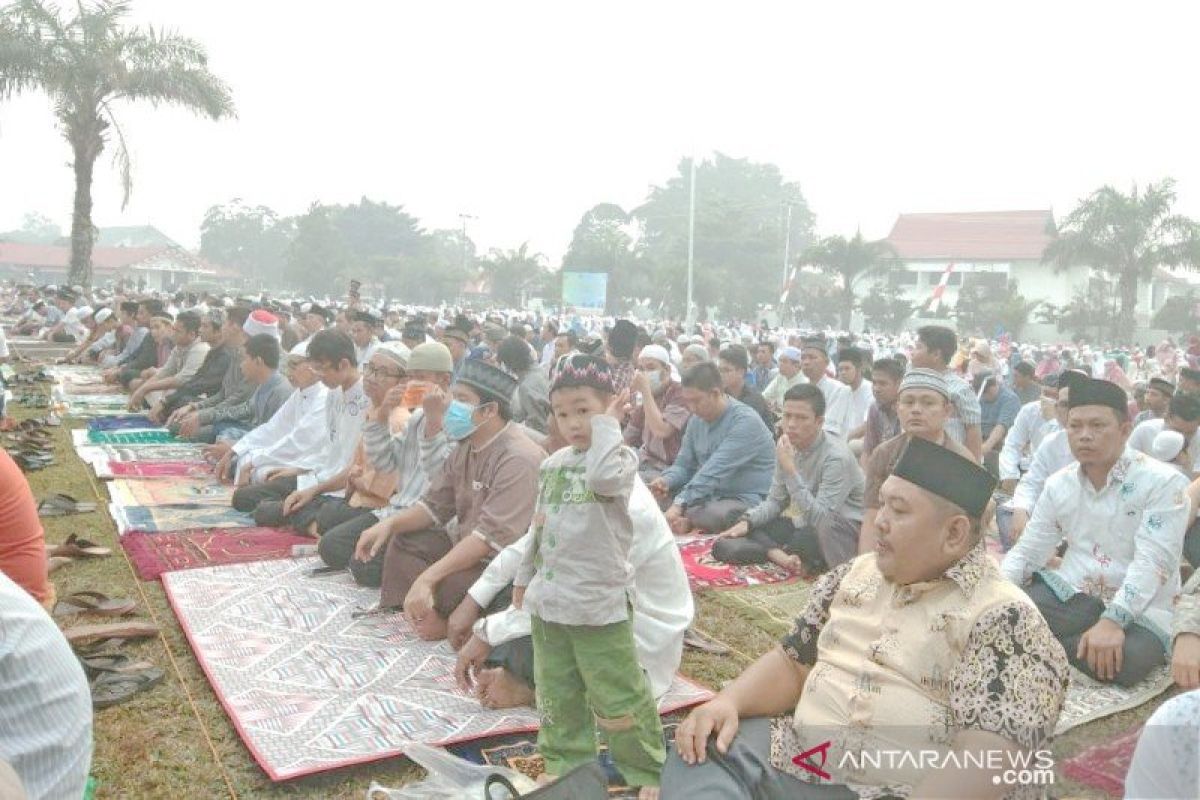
(479, 503)
(1123, 515)
(920, 646)
(811, 517)
(495, 651)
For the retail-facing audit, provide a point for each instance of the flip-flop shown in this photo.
(57, 562)
(696, 640)
(57, 505)
(96, 663)
(80, 548)
(112, 688)
(130, 629)
(97, 647)
(93, 603)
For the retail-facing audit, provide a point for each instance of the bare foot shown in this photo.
(545, 779)
(432, 628)
(498, 688)
(648, 793)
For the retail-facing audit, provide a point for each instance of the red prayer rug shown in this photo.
(153, 554)
(1104, 766)
(705, 572)
(312, 685)
(155, 469)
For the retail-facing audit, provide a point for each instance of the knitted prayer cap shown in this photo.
(790, 353)
(396, 351)
(1095, 392)
(946, 474)
(583, 371)
(454, 332)
(922, 378)
(492, 383)
(1163, 385)
(431, 357)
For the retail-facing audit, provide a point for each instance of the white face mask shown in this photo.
(655, 379)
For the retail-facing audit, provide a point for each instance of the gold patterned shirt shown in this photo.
(905, 668)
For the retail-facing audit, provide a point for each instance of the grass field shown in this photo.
(176, 741)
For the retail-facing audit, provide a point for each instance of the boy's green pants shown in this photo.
(588, 676)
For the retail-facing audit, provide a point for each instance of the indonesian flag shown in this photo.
(935, 300)
(787, 286)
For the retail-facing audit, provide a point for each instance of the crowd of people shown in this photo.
(514, 484)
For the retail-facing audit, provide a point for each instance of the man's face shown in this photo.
(849, 373)
(381, 375)
(800, 424)
(1021, 380)
(732, 377)
(143, 316)
(884, 388)
(441, 379)
(1188, 429)
(992, 391)
(211, 333)
(925, 358)
(763, 355)
(300, 373)
(183, 337)
(313, 323)
(788, 368)
(922, 412)
(562, 346)
(361, 333)
(253, 369)
(1095, 435)
(812, 364)
(329, 372)
(159, 330)
(912, 532)
(457, 347)
(705, 405)
(1156, 400)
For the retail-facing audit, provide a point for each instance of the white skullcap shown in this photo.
(1167, 445)
(397, 351)
(657, 352)
(102, 315)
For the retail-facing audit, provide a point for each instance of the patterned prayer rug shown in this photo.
(705, 572)
(311, 688)
(156, 519)
(124, 422)
(1088, 700)
(185, 491)
(154, 469)
(153, 554)
(1104, 766)
(145, 453)
(772, 608)
(154, 436)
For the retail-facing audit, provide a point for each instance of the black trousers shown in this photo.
(1191, 545)
(1142, 653)
(248, 498)
(778, 533)
(337, 544)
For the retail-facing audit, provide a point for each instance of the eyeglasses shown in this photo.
(370, 370)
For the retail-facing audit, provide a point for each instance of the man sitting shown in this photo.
(814, 363)
(910, 647)
(655, 427)
(811, 517)
(487, 487)
(1123, 515)
(185, 360)
(1157, 399)
(923, 405)
(883, 422)
(787, 375)
(733, 362)
(936, 345)
(207, 379)
(1183, 416)
(724, 465)
(1035, 421)
(998, 409)
(230, 402)
(493, 638)
(850, 364)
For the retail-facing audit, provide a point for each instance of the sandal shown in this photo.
(696, 640)
(130, 629)
(96, 663)
(55, 562)
(80, 548)
(93, 603)
(58, 505)
(112, 688)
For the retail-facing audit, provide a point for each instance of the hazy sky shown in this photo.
(526, 114)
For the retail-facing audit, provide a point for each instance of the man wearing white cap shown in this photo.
(103, 337)
(655, 427)
(789, 375)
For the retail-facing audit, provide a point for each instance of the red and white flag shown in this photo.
(935, 300)
(787, 286)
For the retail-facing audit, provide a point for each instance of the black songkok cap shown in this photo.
(622, 338)
(1163, 385)
(1070, 378)
(1099, 393)
(414, 330)
(368, 318)
(946, 474)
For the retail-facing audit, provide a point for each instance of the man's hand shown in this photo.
(179, 414)
(640, 384)
(189, 425)
(221, 468)
(245, 473)
(135, 399)
(1008, 486)
(677, 520)
(619, 407)
(214, 452)
(435, 402)
(518, 596)
(1185, 663)
(739, 529)
(659, 487)
(298, 500)
(1101, 647)
(1020, 518)
(391, 401)
(716, 717)
(458, 627)
(418, 603)
(372, 541)
(470, 660)
(283, 472)
(155, 414)
(785, 454)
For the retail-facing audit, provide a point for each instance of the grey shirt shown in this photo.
(531, 401)
(410, 454)
(234, 394)
(828, 481)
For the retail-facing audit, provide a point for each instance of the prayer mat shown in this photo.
(72, 390)
(772, 608)
(312, 687)
(153, 554)
(155, 436)
(180, 517)
(705, 572)
(147, 453)
(1104, 766)
(155, 469)
(1088, 700)
(187, 491)
(124, 422)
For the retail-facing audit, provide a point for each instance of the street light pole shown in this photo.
(690, 316)
(464, 218)
(787, 242)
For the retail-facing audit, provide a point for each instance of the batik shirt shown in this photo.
(577, 566)
(1124, 541)
(911, 666)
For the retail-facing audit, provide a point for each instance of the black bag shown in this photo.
(587, 782)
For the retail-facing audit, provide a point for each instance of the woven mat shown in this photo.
(1104, 766)
(153, 554)
(182, 491)
(705, 572)
(310, 688)
(1088, 700)
(154, 469)
(157, 519)
(772, 608)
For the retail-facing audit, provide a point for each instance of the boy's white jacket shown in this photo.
(662, 601)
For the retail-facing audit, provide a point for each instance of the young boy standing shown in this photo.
(575, 583)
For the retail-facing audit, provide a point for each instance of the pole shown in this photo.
(787, 241)
(690, 316)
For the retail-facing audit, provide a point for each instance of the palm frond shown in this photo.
(121, 157)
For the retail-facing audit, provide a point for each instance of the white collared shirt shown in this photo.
(291, 438)
(838, 411)
(1052, 454)
(1124, 541)
(860, 403)
(345, 415)
(1028, 431)
(1142, 440)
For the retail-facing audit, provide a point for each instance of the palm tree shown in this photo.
(851, 259)
(1127, 236)
(86, 64)
(514, 272)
